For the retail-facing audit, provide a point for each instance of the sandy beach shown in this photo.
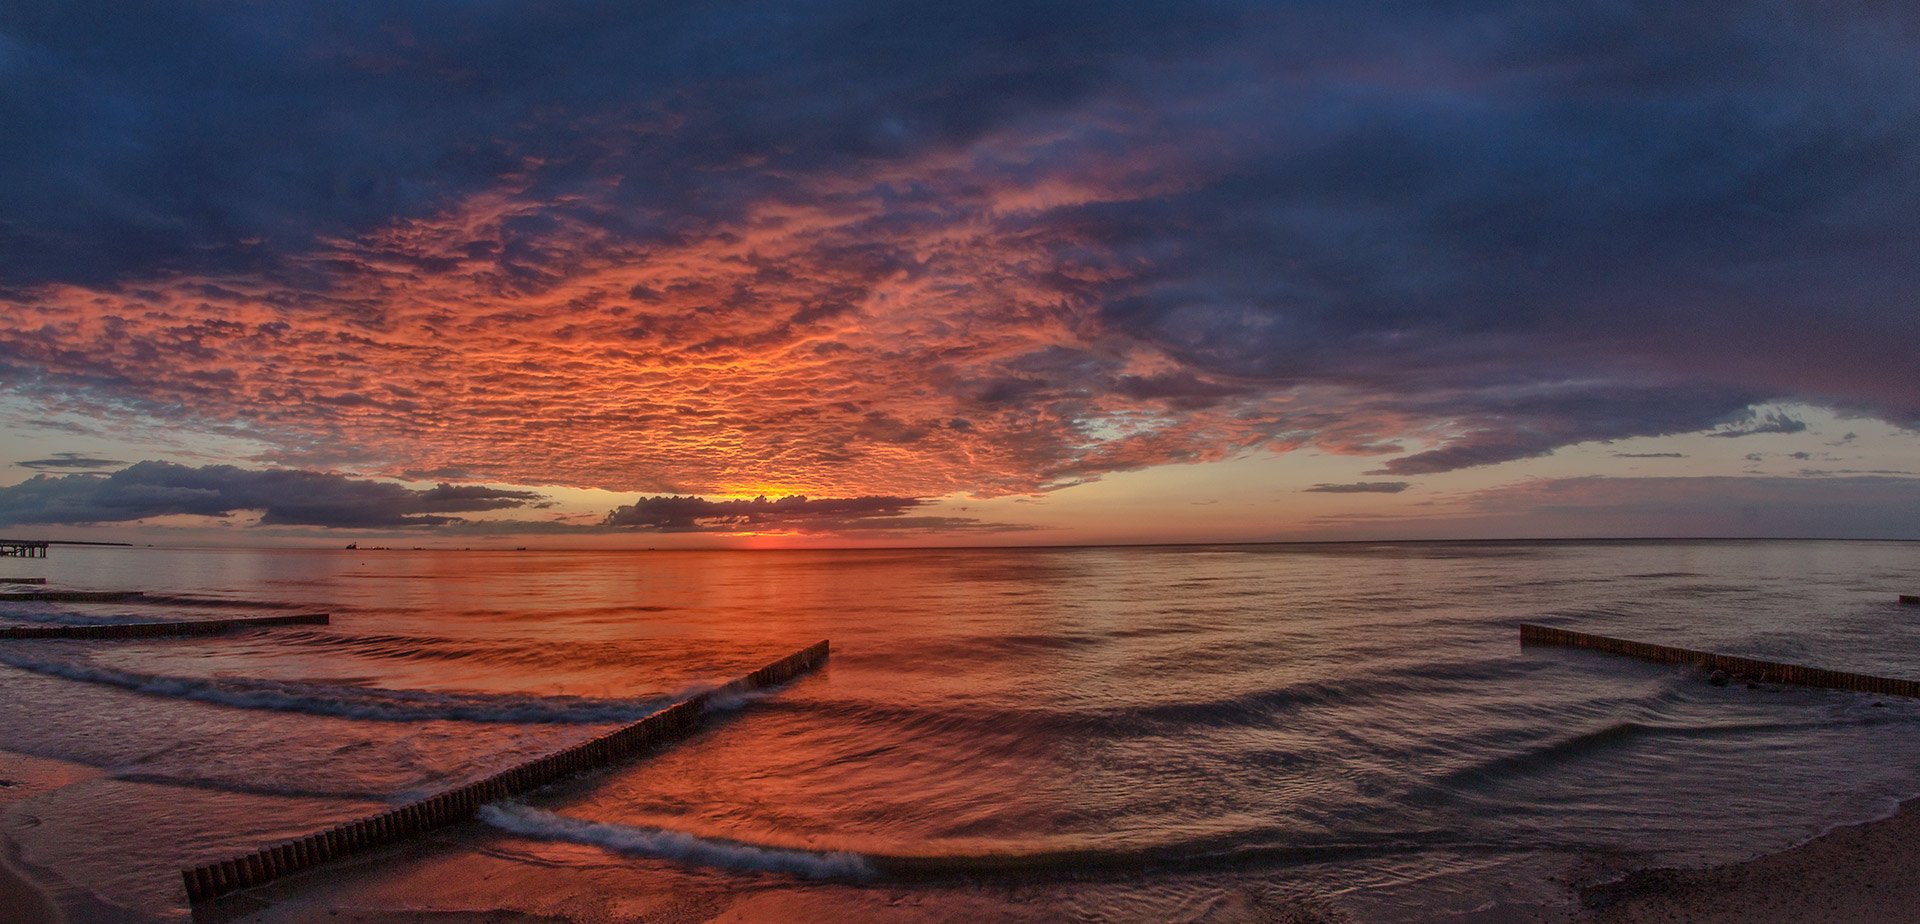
(1861, 872)
(23, 902)
(21, 778)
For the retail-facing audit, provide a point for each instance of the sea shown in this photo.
(1347, 731)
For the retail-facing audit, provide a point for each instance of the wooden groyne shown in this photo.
(1910, 599)
(22, 580)
(161, 629)
(462, 803)
(73, 596)
(1742, 668)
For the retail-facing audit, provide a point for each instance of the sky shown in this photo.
(846, 273)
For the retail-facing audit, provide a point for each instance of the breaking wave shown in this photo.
(674, 845)
(1261, 847)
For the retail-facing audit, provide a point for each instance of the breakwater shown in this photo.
(161, 629)
(1753, 669)
(461, 803)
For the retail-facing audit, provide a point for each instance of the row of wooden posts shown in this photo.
(161, 629)
(462, 803)
(1752, 669)
(71, 596)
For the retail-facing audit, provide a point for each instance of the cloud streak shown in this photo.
(1359, 487)
(70, 462)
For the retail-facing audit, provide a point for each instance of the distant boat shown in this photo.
(352, 545)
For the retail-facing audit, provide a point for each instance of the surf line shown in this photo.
(1736, 667)
(462, 803)
(160, 629)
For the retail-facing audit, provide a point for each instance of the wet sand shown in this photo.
(21, 778)
(1863, 872)
(23, 902)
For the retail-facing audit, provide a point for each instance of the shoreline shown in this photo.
(24, 901)
(24, 777)
(1860, 872)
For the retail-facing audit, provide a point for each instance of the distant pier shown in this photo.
(37, 548)
(1751, 669)
(1910, 599)
(23, 548)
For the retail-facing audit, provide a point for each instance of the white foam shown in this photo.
(662, 844)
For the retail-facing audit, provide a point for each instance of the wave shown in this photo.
(252, 788)
(190, 600)
(419, 648)
(662, 844)
(520, 655)
(1225, 852)
(1550, 753)
(1260, 707)
(353, 702)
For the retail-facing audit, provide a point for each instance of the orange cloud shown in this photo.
(841, 344)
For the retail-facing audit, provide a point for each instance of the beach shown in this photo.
(25, 904)
(1864, 872)
(22, 778)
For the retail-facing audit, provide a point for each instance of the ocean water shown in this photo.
(1200, 733)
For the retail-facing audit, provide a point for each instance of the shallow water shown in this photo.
(1138, 732)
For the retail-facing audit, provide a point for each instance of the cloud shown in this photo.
(869, 251)
(283, 498)
(1360, 487)
(70, 461)
(675, 514)
(1772, 422)
(1866, 506)
(1859, 506)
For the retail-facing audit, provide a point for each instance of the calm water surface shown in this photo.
(1143, 733)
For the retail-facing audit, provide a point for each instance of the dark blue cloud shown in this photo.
(151, 135)
(70, 462)
(676, 514)
(283, 498)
